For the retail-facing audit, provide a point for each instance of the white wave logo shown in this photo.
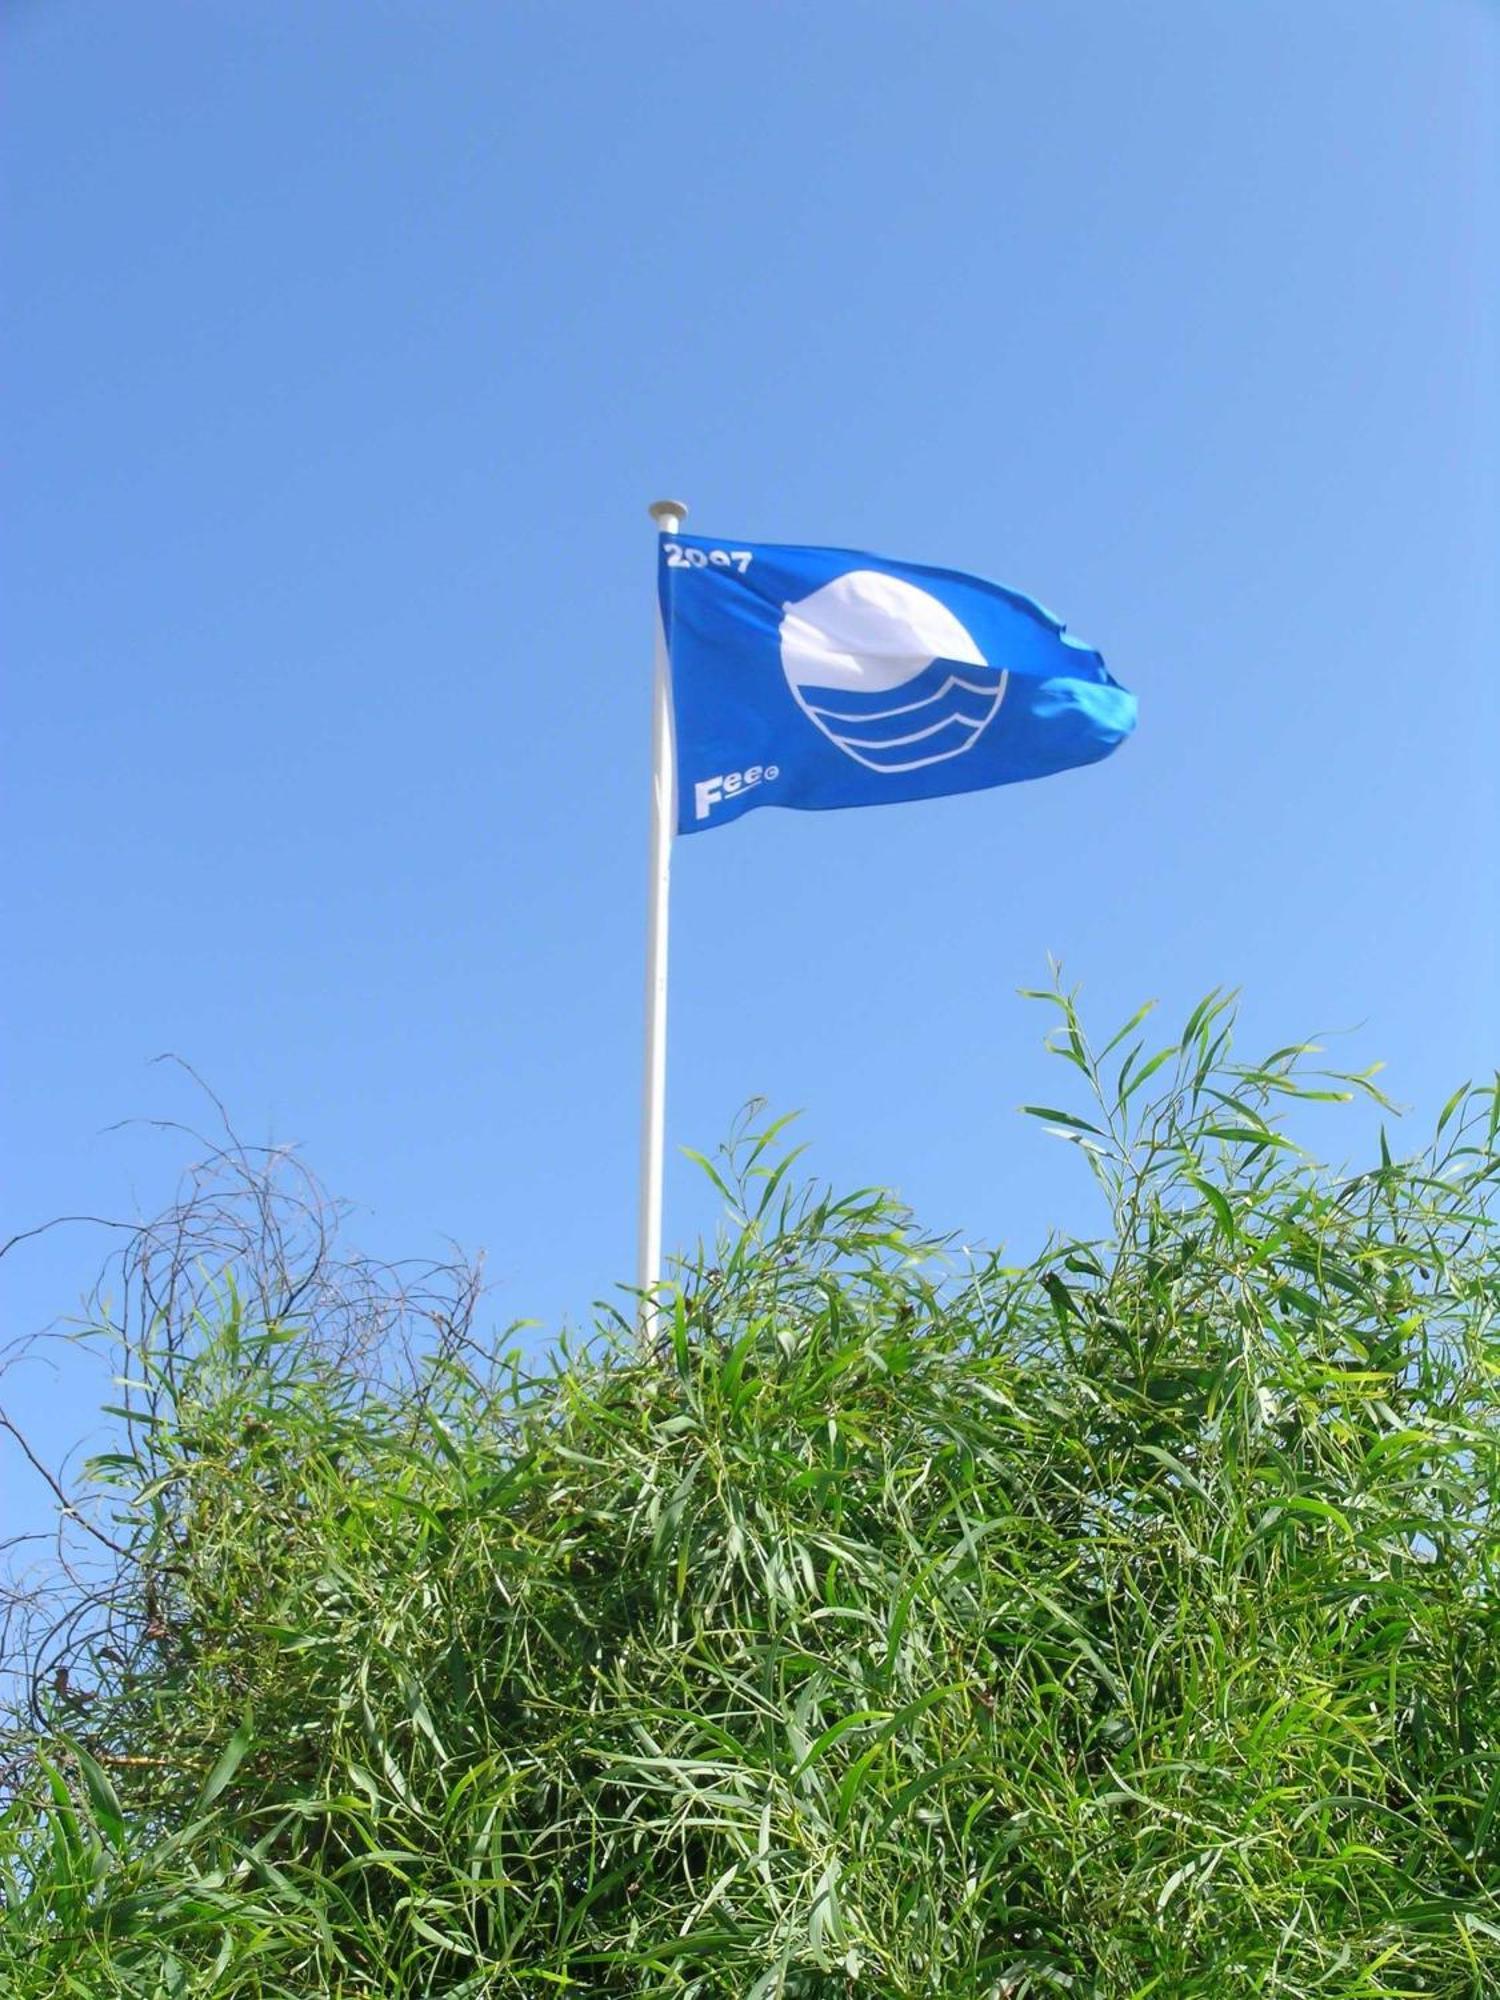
(887, 672)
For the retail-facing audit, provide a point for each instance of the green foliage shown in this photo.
(912, 1625)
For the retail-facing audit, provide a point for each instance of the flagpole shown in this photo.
(668, 516)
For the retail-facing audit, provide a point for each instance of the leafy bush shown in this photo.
(912, 1624)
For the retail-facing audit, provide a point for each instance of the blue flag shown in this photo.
(823, 677)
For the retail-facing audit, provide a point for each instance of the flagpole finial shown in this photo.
(668, 515)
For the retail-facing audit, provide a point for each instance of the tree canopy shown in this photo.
(906, 1622)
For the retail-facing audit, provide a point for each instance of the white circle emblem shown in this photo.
(887, 672)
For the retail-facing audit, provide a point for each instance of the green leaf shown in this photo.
(1218, 1202)
(108, 1812)
(706, 1165)
(1146, 1071)
(229, 1761)
(1061, 1118)
(1120, 1033)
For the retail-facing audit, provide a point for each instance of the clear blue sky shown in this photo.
(345, 346)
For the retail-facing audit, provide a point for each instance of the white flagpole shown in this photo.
(668, 516)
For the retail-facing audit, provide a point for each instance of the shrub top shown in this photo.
(910, 1624)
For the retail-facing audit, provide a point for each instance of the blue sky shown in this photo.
(345, 347)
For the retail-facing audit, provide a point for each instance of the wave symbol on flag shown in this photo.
(887, 672)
